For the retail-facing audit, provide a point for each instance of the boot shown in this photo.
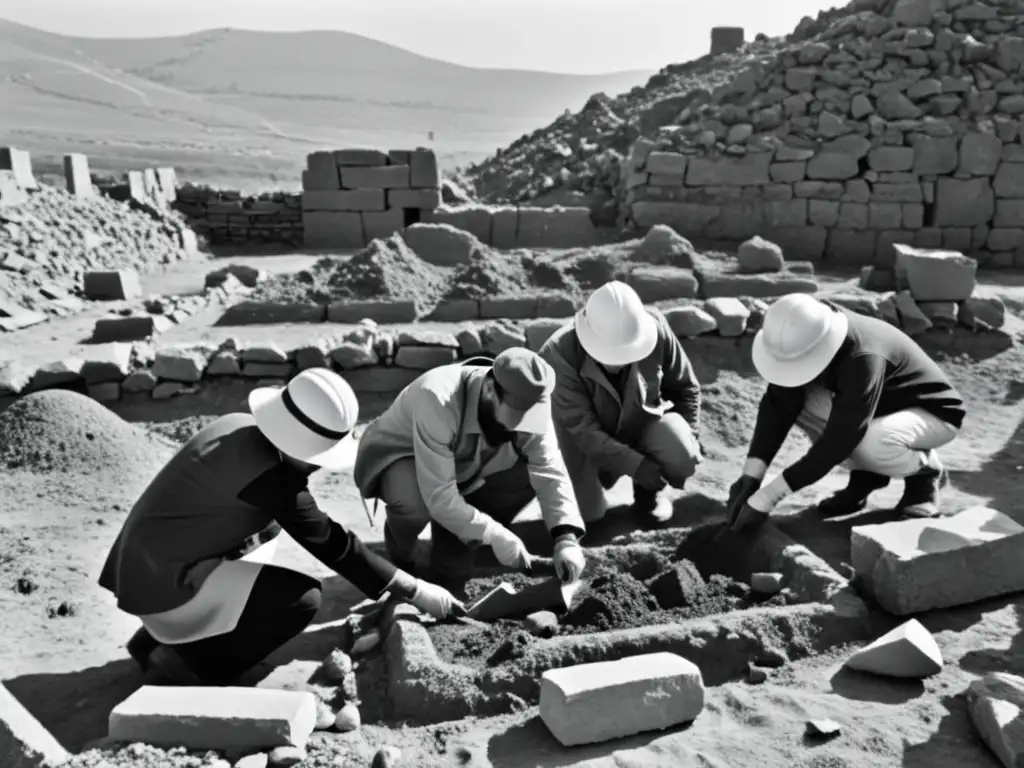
(921, 493)
(167, 668)
(140, 646)
(652, 505)
(854, 497)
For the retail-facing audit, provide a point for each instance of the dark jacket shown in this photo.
(605, 425)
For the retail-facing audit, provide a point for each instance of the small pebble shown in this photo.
(823, 728)
(324, 715)
(283, 757)
(766, 583)
(366, 643)
(259, 760)
(756, 675)
(348, 718)
(336, 665)
(386, 757)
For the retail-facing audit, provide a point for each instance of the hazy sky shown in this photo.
(580, 36)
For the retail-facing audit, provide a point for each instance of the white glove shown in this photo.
(507, 547)
(569, 560)
(436, 601)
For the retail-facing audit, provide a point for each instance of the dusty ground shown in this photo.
(70, 669)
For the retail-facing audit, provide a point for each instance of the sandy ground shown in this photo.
(69, 670)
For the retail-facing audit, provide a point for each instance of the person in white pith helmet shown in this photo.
(626, 402)
(192, 560)
(866, 395)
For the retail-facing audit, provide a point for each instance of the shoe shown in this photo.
(652, 505)
(140, 646)
(854, 497)
(167, 668)
(921, 493)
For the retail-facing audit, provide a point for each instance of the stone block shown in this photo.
(423, 169)
(441, 244)
(473, 219)
(314, 355)
(129, 328)
(139, 381)
(940, 313)
(555, 305)
(455, 311)
(982, 313)
(379, 379)
(106, 362)
(666, 164)
(920, 565)
(690, 321)
(470, 342)
(358, 158)
(497, 337)
(995, 703)
(322, 178)
(344, 200)
(224, 363)
(757, 255)
(136, 186)
(592, 703)
(556, 227)
(182, 364)
(653, 283)
(963, 202)
(504, 226)
(912, 320)
(420, 199)
(10, 192)
(716, 282)
(236, 719)
(268, 352)
(76, 175)
(382, 224)
(425, 358)
(979, 154)
(749, 170)
(540, 330)
(332, 229)
(111, 285)
(874, 278)
(689, 219)
(58, 374)
(349, 355)
(417, 337)
(379, 177)
(385, 312)
(909, 651)
(24, 741)
(272, 313)
(729, 313)
(19, 163)
(509, 307)
(167, 179)
(664, 246)
(936, 275)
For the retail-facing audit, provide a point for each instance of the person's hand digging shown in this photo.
(436, 601)
(648, 476)
(568, 558)
(739, 493)
(748, 520)
(508, 548)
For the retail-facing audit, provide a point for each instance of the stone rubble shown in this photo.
(996, 703)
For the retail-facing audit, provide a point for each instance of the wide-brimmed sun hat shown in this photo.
(309, 419)
(614, 327)
(526, 381)
(798, 339)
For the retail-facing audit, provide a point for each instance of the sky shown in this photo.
(571, 36)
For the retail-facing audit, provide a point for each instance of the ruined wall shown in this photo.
(227, 217)
(726, 39)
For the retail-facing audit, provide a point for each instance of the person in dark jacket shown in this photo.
(626, 402)
(192, 560)
(867, 396)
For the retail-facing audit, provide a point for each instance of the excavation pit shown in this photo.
(684, 591)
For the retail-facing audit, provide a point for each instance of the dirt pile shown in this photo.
(48, 242)
(64, 433)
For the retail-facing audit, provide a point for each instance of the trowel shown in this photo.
(504, 602)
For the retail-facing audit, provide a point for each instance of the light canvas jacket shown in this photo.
(435, 421)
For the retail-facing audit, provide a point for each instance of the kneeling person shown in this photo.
(866, 395)
(626, 402)
(464, 448)
(191, 558)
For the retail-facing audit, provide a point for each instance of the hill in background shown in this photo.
(243, 108)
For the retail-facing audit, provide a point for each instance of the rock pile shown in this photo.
(48, 242)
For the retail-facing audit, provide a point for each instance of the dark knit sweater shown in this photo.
(879, 370)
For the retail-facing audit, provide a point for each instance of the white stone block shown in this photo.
(919, 565)
(591, 703)
(240, 719)
(908, 651)
(24, 742)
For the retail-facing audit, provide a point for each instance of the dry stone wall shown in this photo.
(898, 123)
(227, 217)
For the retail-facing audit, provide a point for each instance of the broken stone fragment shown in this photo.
(766, 583)
(823, 728)
(284, 757)
(541, 623)
(756, 675)
(995, 703)
(386, 757)
(336, 665)
(366, 643)
(348, 718)
(909, 651)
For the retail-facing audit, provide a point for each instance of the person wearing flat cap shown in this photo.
(193, 558)
(626, 402)
(463, 449)
(868, 397)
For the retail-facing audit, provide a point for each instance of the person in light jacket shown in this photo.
(192, 559)
(867, 396)
(464, 448)
(626, 402)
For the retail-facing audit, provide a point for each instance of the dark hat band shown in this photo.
(308, 423)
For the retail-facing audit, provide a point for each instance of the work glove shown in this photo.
(648, 476)
(739, 493)
(568, 559)
(507, 547)
(436, 601)
(748, 520)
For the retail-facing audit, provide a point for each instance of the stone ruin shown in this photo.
(726, 39)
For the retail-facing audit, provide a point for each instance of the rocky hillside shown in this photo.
(865, 69)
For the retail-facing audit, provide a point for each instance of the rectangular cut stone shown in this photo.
(236, 719)
(592, 703)
(476, 220)
(333, 229)
(321, 178)
(920, 565)
(666, 164)
(729, 171)
(344, 200)
(110, 285)
(19, 162)
(688, 219)
(423, 170)
(557, 227)
(379, 177)
(76, 175)
(353, 312)
(359, 158)
(424, 199)
(24, 742)
(504, 226)
(381, 224)
(935, 275)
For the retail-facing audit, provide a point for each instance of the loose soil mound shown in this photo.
(65, 433)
